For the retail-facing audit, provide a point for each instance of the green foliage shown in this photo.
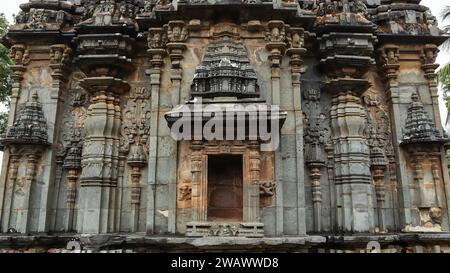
(444, 72)
(444, 81)
(5, 74)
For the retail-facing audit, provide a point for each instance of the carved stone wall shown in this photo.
(98, 85)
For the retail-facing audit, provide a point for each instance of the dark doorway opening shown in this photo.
(225, 188)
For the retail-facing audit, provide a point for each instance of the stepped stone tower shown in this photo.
(306, 125)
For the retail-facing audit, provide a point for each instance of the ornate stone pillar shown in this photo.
(378, 168)
(346, 56)
(252, 191)
(352, 165)
(157, 39)
(102, 131)
(103, 32)
(437, 178)
(177, 35)
(315, 137)
(100, 152)
(72, 163)
(296, 53)
(137, 160)
(426, 190)
(389, 61)
(199, 191)
(276, 46)
(315, 168)
(429, 67)
(329, 149)
(23, 215)
(60, 62)
(14, 163)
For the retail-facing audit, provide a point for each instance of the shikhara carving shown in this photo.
(225, 71)
(98, 86)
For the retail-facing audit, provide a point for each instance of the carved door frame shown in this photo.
(199, 168)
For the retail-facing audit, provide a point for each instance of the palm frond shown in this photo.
(443, 77)
(445, 14)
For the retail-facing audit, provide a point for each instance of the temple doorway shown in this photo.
(225, 188)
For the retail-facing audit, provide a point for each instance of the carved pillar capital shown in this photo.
(296, 50)
(19, 55)
(428, 58)
(389, 60)
(157, 40)
(60, 57)
(177, 35)
(276, 41)
(21, 58)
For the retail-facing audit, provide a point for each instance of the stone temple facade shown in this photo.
(90, 157)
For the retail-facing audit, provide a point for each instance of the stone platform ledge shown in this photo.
(147, 243)
(158, 243)
(361, 240)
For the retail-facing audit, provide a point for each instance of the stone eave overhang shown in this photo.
(425, 142)
(215, 94)
(65, 6)
(110, 29)
(336, 61)
(354, 29)
(239, 12)
(177, 114)
(335, 86)
(22, 143)
(114, 60)
(25, 36)
(406, 38)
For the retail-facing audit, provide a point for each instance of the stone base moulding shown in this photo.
(216, 229)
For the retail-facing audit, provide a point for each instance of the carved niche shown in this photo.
(136, 119)
(423, 141)
(378, 130)
(74, 117)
